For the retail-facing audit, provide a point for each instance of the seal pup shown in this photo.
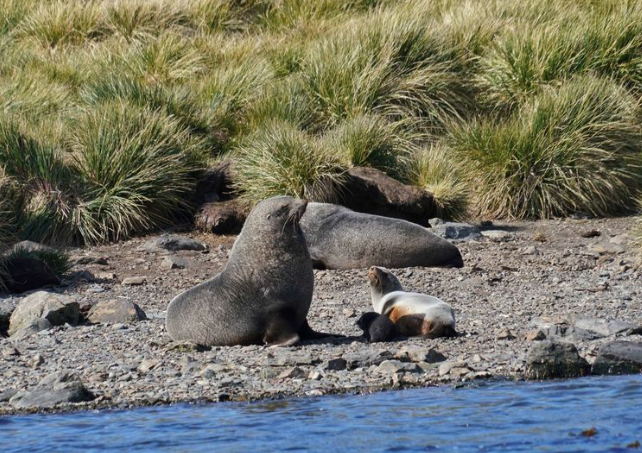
(377, 328)
(264, 292)
(414, 314)
(339, 238)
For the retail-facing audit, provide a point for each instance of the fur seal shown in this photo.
(414, 314)
(376, 327)
(264, 292)
(339, 238)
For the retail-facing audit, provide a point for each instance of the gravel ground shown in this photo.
(544, 269)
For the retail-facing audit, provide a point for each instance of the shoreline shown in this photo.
(542, 270)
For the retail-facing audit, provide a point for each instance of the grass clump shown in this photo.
(572, 148)
(136, 169)
(280, 159)
(436, 170)
(370, 141)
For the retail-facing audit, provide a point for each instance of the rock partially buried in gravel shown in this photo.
(134, 281)
(173, 243)
(604, 328)
(604, 248)
(115, 311)
(174, 262)
(457, 231)
(56, 308)
(56, 388)
(619, 357)
(551, 360)
(35, 326)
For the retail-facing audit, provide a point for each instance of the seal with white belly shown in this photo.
(414, 314)
(264, 292)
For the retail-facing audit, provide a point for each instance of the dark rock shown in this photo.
(84, 260)
(215, 184)
(619, 357)
(337, 364)
(590, 234)
(56, 308)
(365, 359)
(457, 231)
(224, 217)
(173, 243)
(373, 192)
(550, 360)
(603, 328)
(57, 388)
(186, 346)
(6, 308)
(27, 273)
(115, 311)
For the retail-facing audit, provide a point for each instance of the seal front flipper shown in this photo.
(280, 330)
(306, 333)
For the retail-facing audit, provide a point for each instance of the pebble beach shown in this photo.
(521, 281)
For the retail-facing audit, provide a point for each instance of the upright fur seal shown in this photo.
(339, 238)
(414, 314)
(264, 292)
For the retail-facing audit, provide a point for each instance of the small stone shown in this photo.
(35, 361)
(428, 355)
(336, 364)
(535, 335)
(289, 373)
(134, 281)
(174, 262)
(115, 311)
(505, 334)
(497, 235)
(446, 367)
(530, 250)
(396, 366)
(147, 365)
(185, 346)
(590, 233)
(9, 352)
(349, 313)
(105, 276)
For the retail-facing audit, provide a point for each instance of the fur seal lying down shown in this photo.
(414, 314)
(264, 292)
(376, 327)
(339, 238)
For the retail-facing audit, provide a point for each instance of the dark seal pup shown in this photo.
(339, 238)
(414, 314)
(376, 327)
(264, 292)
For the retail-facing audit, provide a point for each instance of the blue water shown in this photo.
(503, 417)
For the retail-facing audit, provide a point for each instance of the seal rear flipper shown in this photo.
(306, 333)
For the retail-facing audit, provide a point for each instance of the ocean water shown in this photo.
(581, 415)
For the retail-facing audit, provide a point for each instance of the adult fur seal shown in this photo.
(264, 292)
(339, 238)
(414, 314)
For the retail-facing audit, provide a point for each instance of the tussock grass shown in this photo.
(369, 141)
(137, 170)
(280, 159)
(436, 170)
(572, 148)
(56, 260)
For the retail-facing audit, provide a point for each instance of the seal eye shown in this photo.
(269, 216)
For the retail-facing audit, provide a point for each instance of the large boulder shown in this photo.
(28, 272)
(371, 191)
(619, 357)
(115, 311)
(56, 308)
(550, 360)
(599, 327)
(56, 388)
(222, 217)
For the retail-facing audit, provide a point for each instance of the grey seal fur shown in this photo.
(264, 292)
(414, 314)
(339, 238)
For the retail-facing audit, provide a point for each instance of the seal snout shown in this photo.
(373, 274)
(297, 210)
